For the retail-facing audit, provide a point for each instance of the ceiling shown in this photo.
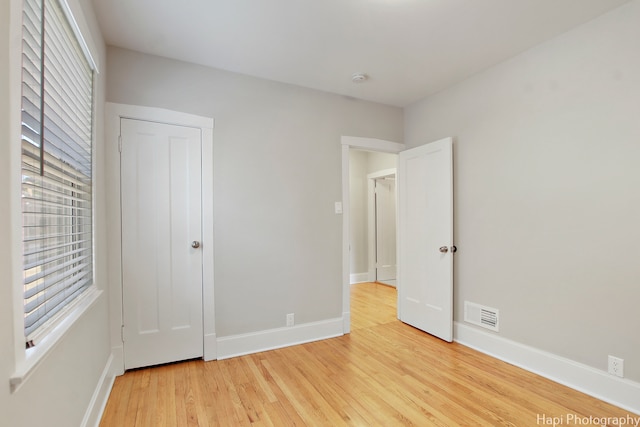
(408, 48)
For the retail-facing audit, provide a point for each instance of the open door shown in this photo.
(425, 238)
(385, 229)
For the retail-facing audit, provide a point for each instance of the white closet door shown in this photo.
(161, 231)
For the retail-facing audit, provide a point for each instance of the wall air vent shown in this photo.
(480, 315)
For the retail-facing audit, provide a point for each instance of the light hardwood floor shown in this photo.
(384, 373)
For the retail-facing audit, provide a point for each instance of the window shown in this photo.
(57, 99)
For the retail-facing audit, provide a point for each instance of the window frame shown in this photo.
(26, 360)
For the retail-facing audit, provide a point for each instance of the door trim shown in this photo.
(111, 174)
(370, 144)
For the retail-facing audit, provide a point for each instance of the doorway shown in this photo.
(372, 216)
(382, 236)
(355, 145)
(425, 219)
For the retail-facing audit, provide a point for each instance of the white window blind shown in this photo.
(57, 99)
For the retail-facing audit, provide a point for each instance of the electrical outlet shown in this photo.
(616, 366)
(290, 319)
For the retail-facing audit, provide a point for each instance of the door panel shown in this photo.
(161, 216)
(385, 229)
(425, 223)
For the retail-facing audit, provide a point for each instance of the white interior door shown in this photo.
(161, 230)
(425, 238)
(385, 215)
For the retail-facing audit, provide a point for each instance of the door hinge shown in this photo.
(120, 143)
(122, 333)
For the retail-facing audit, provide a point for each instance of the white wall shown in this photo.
(358, 204)
(277, 172)
(547, 183)
(60, 389)
(381, 161)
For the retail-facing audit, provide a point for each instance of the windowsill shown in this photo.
(35, 355)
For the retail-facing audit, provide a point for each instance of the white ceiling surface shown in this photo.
(409, 48)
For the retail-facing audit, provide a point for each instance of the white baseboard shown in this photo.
(620, 392)
(98, 402)
(239, 345)
(358, 278)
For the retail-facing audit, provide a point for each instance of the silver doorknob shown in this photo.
(444, 249)
(195, 244)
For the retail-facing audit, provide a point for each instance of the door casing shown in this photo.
(113, 114)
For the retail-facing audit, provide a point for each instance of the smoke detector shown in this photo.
(359, 77)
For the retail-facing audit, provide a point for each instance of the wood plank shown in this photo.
(384, 373)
